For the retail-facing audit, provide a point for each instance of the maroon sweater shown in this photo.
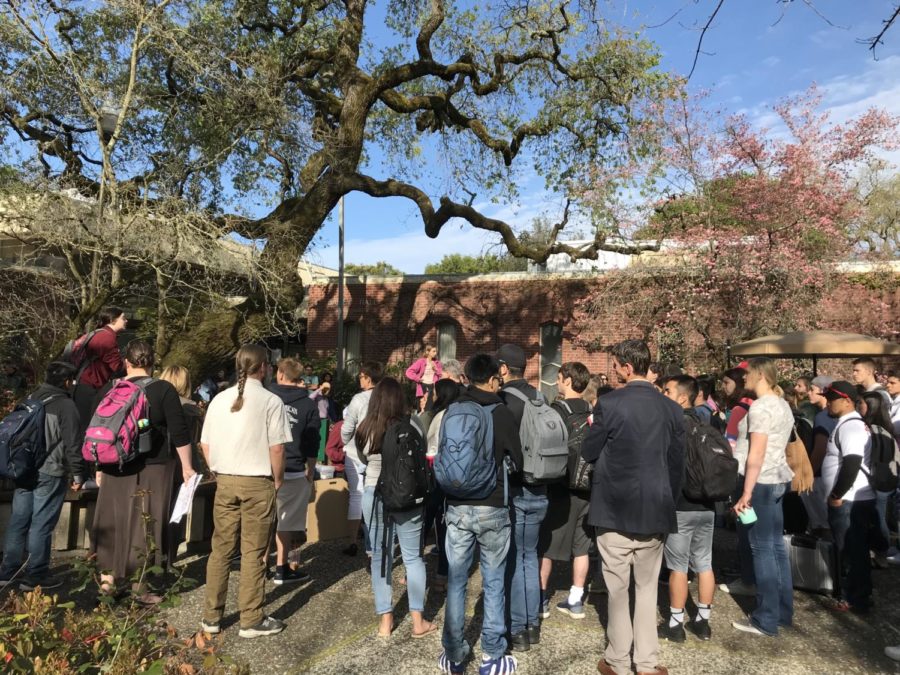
(103, 350)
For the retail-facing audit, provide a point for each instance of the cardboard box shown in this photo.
(326, 519)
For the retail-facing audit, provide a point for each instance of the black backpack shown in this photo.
(710, 470)
(406, 478)
(579, 472)
(23, 445)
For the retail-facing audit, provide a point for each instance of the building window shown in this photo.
(446, 340)
(551, 358)
(352, 353)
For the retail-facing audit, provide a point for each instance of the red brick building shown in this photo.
(391, 318)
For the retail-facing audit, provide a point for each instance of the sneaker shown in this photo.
(671, 633)
(519, 642)
(544, 613)
(268, 626)
(892, 652)
(46, 583)
(505, 665)
(290, 576)
(575, 610)
(747, 627)
(211, 627)
(700, 628)
(450, 667)
(893, 559)
(738, 588)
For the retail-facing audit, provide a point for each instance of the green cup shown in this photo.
(747, 516)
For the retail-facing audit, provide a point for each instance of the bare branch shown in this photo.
(703, 34)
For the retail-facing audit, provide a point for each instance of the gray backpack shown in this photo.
(545, 441)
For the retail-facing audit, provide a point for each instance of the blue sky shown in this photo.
(751, 59)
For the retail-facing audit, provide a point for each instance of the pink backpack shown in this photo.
(119, 428)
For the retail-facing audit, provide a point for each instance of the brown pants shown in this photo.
(244, 509)
(621, 554)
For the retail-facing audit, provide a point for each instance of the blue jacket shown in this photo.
(636, 443)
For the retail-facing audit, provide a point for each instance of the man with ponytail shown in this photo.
(243, 439)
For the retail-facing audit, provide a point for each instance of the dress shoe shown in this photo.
(660, 670)
(605, 668)
(534, 634)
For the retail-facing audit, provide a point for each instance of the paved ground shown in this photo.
(331, 629)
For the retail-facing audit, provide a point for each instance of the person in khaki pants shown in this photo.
(243, 440)
(636, 444)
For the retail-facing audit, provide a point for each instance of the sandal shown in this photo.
(428, 631)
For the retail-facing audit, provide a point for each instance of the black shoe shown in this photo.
(534, 634)
(519, 642)
(671, 633)
(268, 626)
(290, 576)
(46, 583)
(701, 629)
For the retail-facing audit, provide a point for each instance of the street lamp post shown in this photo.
(340, 319)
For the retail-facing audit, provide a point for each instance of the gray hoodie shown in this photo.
(354, 413)
(61, 430)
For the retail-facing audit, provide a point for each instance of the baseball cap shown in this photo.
(512, 355)
(842, 389)
(822, 382)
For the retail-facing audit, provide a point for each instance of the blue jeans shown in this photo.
(35, 512)
(854, 526)
(745, 555)
(883, 543)
(488, 526)
(771, 566)
(523, 579)
(407, 526)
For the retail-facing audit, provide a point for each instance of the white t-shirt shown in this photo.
(770, 415)
(855, 439)
(895, 416)
(239, 441)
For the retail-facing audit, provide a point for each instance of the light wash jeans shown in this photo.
(523, 579)
(407, 526)
(488, 526)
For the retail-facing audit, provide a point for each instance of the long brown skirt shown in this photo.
(131, 509)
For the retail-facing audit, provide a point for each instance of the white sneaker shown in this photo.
(738, 588)
(893, 559)
(893, 652)
(747, 627)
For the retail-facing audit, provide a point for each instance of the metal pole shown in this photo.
(340, 319)
(815, 366)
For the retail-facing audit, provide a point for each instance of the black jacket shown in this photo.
(506, 443)
(61, 432)
(637, 444)
(303, 414)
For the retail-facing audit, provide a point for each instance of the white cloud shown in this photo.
(771, 61)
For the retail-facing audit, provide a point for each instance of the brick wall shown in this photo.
(397, 316)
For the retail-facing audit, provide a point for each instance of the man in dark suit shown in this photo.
(636, 443)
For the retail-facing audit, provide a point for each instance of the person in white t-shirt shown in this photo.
(893, 389)
(852, 511)
(767, 477)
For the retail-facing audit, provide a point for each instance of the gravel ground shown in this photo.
(331, 628)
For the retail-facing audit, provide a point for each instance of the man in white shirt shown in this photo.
(244, 434)
(852, 511)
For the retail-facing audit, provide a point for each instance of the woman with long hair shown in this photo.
(142, 488)
(387, 408)
(766, 479)
(180, 378)
(877, 415)
(446, 392)
(738, 399)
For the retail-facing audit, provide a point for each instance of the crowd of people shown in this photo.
(486, 460)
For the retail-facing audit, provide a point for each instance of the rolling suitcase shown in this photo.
(813, 563)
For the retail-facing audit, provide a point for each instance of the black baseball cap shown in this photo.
(512, 355)
(842, 389)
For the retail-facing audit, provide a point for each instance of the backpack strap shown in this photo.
(518, 394)
(837, 437)
(562, 403)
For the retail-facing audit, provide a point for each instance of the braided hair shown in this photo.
(249, 360)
